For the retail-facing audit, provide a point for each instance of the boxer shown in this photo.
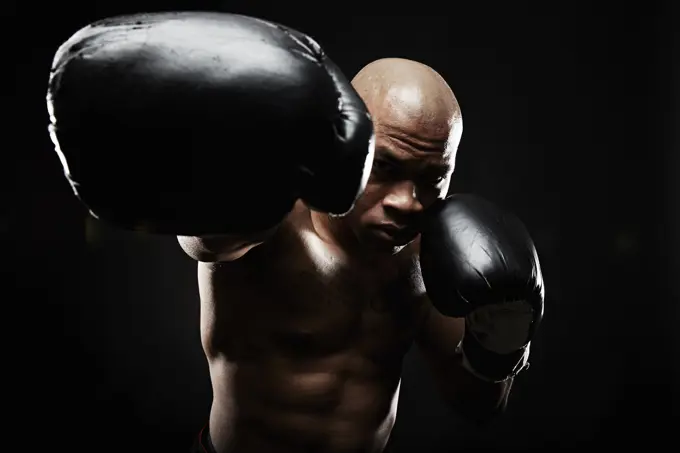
(317, 212)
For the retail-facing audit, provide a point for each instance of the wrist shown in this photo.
(491, 366)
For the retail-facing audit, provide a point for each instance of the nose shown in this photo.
(403, 197)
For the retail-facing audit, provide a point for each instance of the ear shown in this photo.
(455, 136)
(444, 188)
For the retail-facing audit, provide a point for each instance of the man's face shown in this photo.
(412, 168)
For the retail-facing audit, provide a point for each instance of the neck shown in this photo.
(332, 231)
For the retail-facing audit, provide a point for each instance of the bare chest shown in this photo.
(307, 304)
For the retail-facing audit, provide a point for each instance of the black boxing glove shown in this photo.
(196, 123)
(480, 263)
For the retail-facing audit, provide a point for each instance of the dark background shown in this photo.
(571, 120)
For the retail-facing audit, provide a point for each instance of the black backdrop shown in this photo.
(570, 120)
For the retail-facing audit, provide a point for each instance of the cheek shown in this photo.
(370, 200)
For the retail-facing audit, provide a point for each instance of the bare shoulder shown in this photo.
(284, 247)
(232, 247)
(230, 279)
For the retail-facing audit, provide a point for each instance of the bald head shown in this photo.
(417, 125)
(410, 97)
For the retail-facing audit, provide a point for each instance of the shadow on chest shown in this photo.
(302, 304)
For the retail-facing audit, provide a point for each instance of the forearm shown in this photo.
(471, 397)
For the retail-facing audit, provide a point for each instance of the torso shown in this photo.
(305, 347)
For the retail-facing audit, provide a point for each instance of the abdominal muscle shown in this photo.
(312, 407)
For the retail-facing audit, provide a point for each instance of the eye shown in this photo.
(433, 180)
(382, 166)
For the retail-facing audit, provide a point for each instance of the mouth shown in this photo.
(394, 233)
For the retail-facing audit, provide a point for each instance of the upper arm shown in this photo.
(438, 336)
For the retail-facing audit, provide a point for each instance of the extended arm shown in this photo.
(156, 137)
